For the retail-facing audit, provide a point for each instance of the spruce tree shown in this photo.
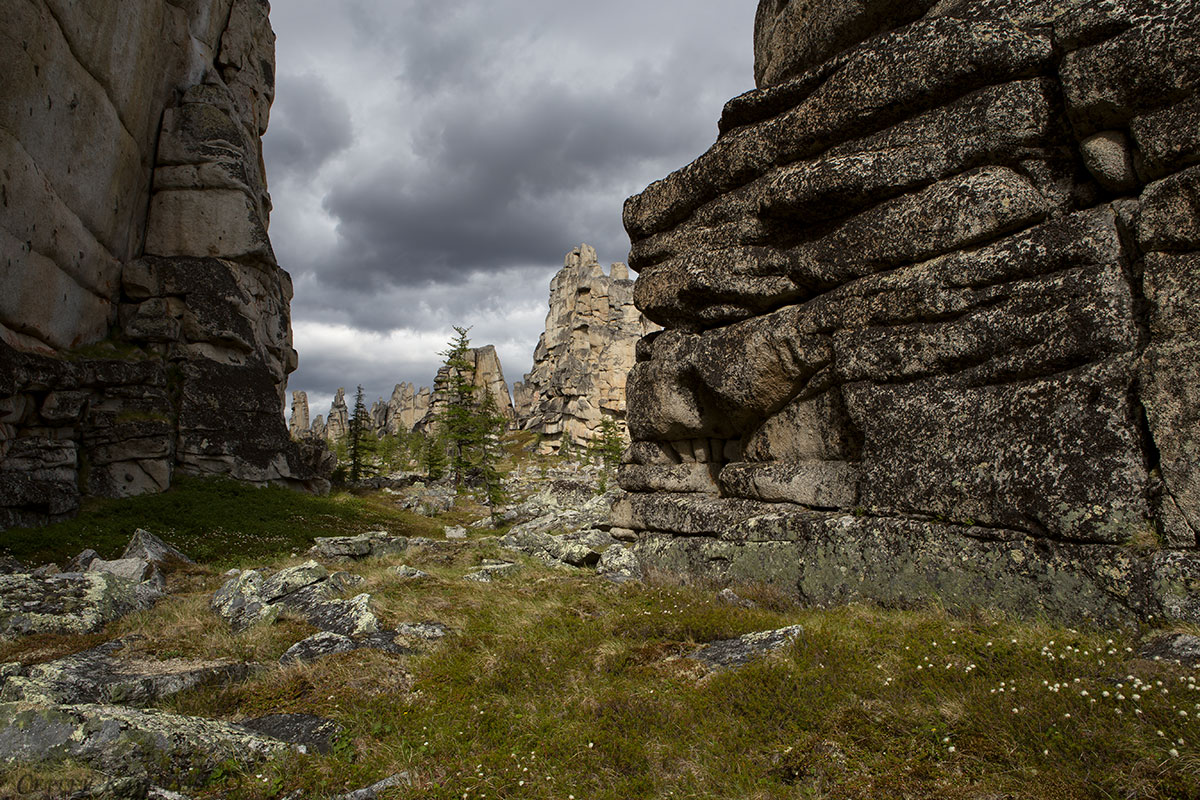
(360, 438)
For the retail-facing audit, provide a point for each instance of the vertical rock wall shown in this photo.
(144, 322)
(930, 311)
(585, 353)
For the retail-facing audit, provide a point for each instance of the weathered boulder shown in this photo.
(148, 547)
(584, 354)
(929, 294)
(619, 564)
(70, 602)
(490, 570)
(353, 548)
(253, 597)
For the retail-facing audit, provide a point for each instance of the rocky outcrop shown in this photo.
(486, 375)
(929, 324)
(408, 406)
(582, 358)
(338, 423)
(144, 323)
(298, 425)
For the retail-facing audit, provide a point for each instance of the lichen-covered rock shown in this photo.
(619, 564)
(935, 273)
(128, 741)
(310, 733)
(98, 676)
(70, 602)
(729, 653)
(253, 597)
(491, 570)
(584, 354)
(364, 545)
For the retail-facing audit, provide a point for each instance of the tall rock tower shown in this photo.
(932, 313)
(585, 353)
(144, 321)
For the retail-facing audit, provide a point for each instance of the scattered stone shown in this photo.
(67, 603)
(147, 546)
(490, 570)
(240, 601)
(372, 792)
(1181, 647)
(554, 550)
(10, 566)
(158, 793)
(289, 580)
(407, 572)
(312, 734)
(317, 646)
(619, 564)
(46, 570)
(455, 532)
(428, 631)
(96, 676)
(729, 653)
(731, 598)
(365, 545)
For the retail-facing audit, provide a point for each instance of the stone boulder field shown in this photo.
(930, 314)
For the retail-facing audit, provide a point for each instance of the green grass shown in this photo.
(212, 520)
(556, 683)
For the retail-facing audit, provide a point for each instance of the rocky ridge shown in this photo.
(928, 324)
(584, 354)
(144, 323)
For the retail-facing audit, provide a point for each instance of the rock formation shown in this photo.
(298, 426)
(338, 423)
(488, 378)
(582, 358)
(408, 406)
(931, 313)
(144, 323)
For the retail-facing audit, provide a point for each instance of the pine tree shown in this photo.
(361, 442)
(609, 445)
(471, 427)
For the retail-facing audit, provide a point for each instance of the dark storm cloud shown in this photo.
(310, 124)
(432, 160)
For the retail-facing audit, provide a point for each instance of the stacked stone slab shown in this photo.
(931, 311)
(133, 215)
(585, 353)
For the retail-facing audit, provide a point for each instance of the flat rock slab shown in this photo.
(96, 676)
(1183, 648)
(491, 571)
(327, 643)
(310, 733)
(372, 792)
(364, 545)
(125, 740)
(731, 653)
(67, 603)
(407, 572)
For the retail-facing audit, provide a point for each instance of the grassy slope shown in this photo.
(558, 684)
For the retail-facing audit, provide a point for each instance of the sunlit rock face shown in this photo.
(584, 355)
(930, 309)
(144, 321)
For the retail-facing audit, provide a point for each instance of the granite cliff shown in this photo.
(931, 313)
(144, 321)
(585, 353)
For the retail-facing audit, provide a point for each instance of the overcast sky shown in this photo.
(432, 161)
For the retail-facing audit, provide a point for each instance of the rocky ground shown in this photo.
(511, 652)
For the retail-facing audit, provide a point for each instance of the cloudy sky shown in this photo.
(432, 161)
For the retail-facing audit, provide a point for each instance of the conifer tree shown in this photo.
(360, 438)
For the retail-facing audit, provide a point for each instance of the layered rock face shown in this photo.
(134, 213)
(585, 353)
(930, 310)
